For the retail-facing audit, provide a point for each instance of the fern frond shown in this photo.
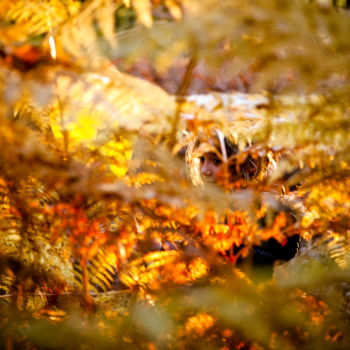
(84, 36)
(105, 19)
(25, 110)
(124, 104)
(338, 248)
(6, 284)
(143, 271)
(10, 224)
(34, 17)
(102, 273)
(143, 9)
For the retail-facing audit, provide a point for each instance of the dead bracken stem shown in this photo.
(9, 344)
(86, 296)
(185, 83)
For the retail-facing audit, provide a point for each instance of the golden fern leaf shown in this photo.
(330, 246)
(101, 269)
(78, 38)
(144, 270)
(26, 111)
(124, 104)
(6, 284)
(10, 224)
(105, 18)
(143, 10)
(70, 25)
(102, 109)
(30, 242)
(144, 178)
(174, 8)
(337, 248)
(33, 17)
(36, 192)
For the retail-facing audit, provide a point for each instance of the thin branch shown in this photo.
(185, 83)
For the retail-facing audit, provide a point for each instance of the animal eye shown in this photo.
(217, 161)
(201, 159)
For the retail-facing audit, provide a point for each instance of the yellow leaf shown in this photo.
(105, 18)
(174, 9)
(143, 9)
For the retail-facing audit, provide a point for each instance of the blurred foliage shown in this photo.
(104, 240)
